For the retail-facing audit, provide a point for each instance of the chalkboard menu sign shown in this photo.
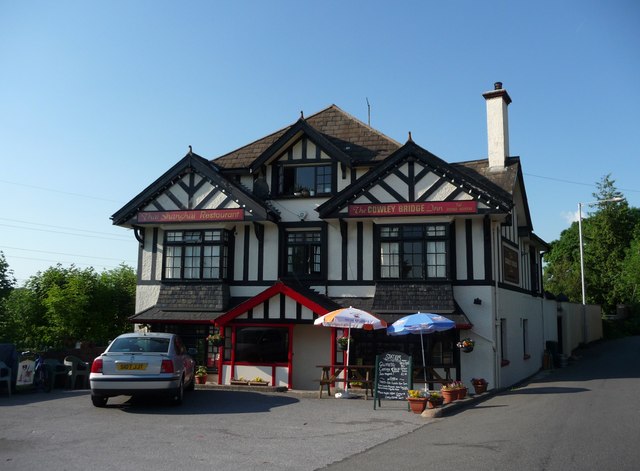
(393, 377)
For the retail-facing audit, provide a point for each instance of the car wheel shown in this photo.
(99, 401)
(178, 394)
(192, 384)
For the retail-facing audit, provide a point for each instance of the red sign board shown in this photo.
(413, 209)
(203, 215)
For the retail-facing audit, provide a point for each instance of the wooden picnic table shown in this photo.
(359, 374)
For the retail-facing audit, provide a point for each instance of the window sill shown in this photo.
(504, 363)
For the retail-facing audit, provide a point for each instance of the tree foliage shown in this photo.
(60, 306)
(610, 230)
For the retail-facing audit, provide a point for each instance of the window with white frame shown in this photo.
(196, 255)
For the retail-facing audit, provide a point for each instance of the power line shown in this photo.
(67, 233)
(592, 185)
(60, 191)
(63, 262)
(62, 227)
(60, 253)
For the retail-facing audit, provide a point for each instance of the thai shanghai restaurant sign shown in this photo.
(203, 215)
(413, 209)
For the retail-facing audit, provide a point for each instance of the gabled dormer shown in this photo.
(415, 175)
(321, 154)
(193, 190)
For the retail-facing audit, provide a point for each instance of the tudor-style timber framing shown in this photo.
(302, 211)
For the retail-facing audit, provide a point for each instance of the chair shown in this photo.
(56, 370)
(5, 376)
(76, 369)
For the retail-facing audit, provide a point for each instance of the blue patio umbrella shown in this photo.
(421, 323)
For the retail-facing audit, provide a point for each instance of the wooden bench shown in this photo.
(328, 378)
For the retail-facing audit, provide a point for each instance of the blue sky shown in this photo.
(98, 99)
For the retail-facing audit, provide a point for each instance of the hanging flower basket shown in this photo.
(466, 345)
(343, 342)
(215, 339)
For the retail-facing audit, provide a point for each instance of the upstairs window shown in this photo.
(304, 253)
(413, 252)
(196, 255)
(314, 179)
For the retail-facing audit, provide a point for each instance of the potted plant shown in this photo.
(449, 392)
(239, 381)
(417, 400)
(257, 381)
(479, 385)
(215, 339)
(201, 375)
(434, 399)
(460, 388)
(344, 341)
(466, 345)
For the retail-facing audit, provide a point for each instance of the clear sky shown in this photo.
(98, 99)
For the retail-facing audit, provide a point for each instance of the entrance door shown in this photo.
(311, 347)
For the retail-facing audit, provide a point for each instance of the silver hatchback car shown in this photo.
(142, 363)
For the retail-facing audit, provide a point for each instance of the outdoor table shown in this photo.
(356, 374)
(432, 376)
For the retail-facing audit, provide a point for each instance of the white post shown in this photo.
(584, 293)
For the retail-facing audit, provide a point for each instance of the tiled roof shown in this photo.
(503, 179)
(359, 141)
(413, 297)
(194, 297)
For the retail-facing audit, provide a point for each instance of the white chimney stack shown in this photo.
(497, 125)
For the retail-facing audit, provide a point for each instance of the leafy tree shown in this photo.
(7, 280)
(607, 235)
(60, 306)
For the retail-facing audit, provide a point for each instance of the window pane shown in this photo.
(412, 260)
(193, 236)
(262, 344)
(172, 262)
(174, 236)
(389, 259)
(305, 177)
(192, 262)
(211, 262)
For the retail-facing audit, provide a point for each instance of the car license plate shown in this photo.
(131, 366)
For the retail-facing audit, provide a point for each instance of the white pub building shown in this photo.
(327, 213)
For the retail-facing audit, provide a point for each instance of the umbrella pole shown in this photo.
(346, 363)
(424, 363)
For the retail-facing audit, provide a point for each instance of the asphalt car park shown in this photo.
(212, 429)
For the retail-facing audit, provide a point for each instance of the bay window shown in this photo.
(413, 252)
(196, 255)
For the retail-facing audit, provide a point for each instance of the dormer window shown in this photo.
(314, 179)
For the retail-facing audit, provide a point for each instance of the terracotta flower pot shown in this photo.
(449, 395)
(432, 403)
(201, 379)
(480, 388)
(417, 404)
(462, 393)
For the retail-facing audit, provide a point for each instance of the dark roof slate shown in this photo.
(414, 297)
(360, 142)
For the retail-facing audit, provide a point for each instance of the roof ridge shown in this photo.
(369, 127)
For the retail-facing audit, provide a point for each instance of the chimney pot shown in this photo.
(497, 86)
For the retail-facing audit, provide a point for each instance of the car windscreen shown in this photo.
(140, 344)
